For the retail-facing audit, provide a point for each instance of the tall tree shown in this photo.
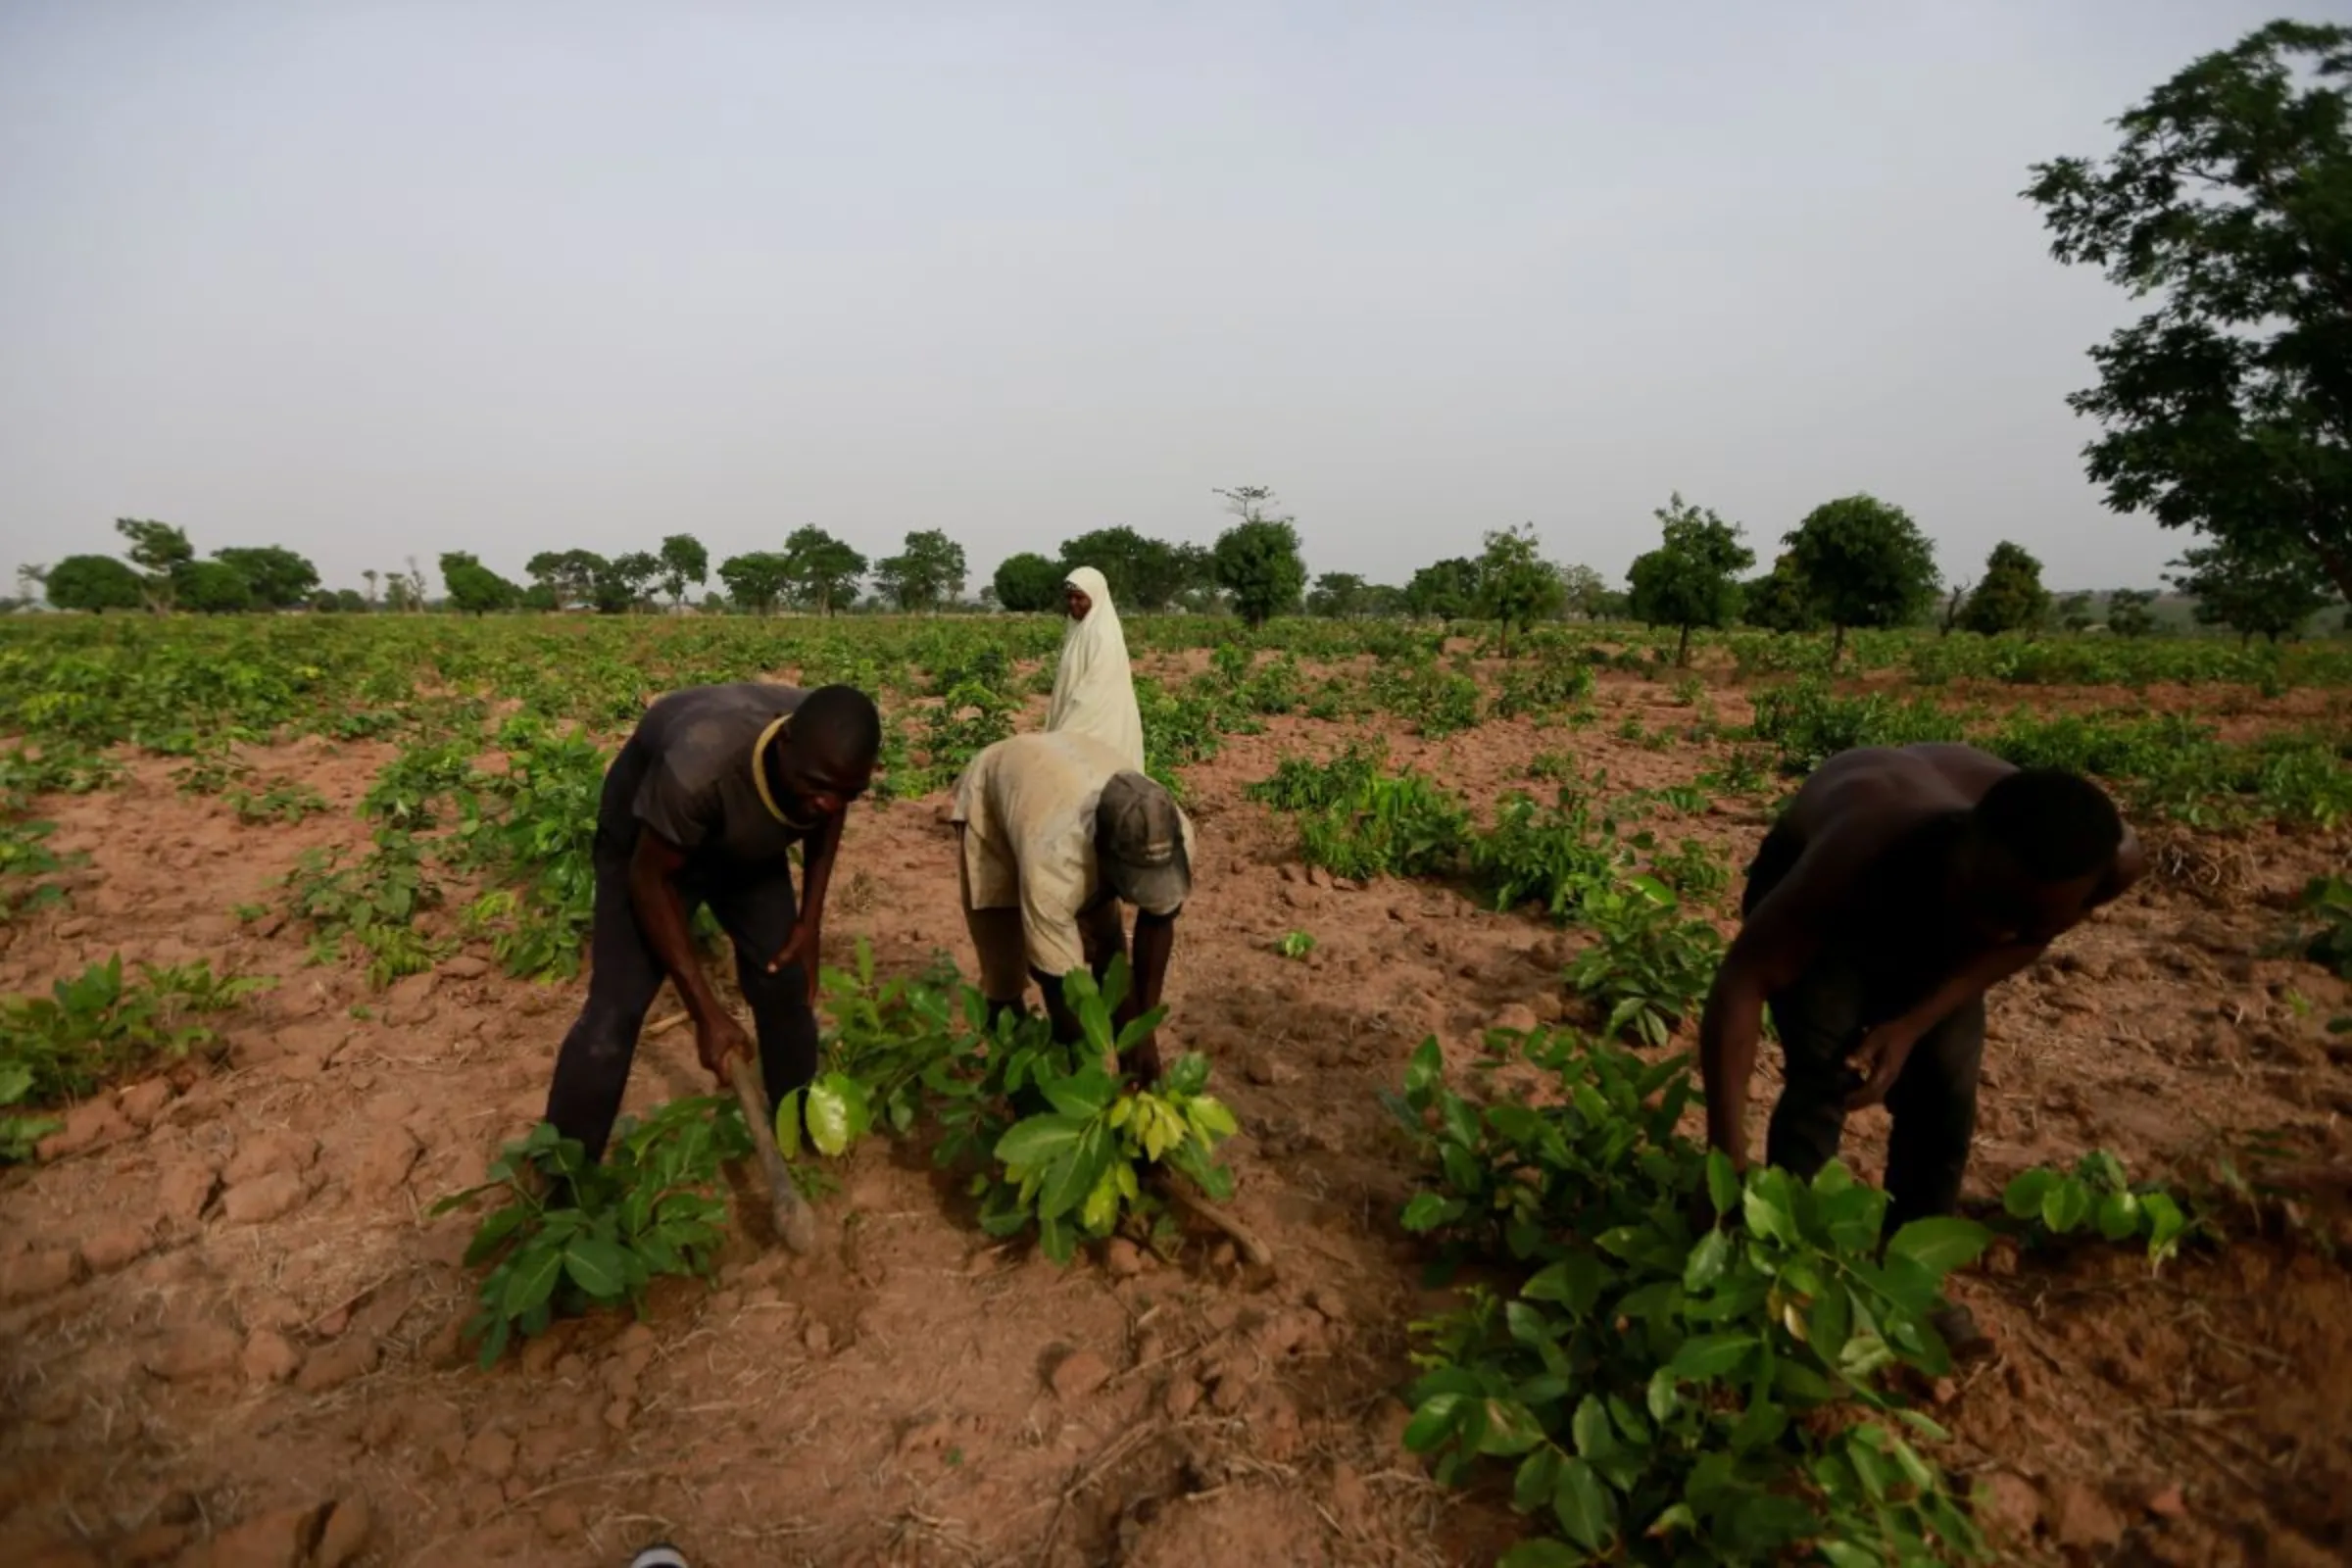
(1445, 590)
(210, 588)
(1583, 592)
(160, 550)
(2011, 598)
(571, 576)
(2252, 596)
(637, 571)
(755, 580)
(1516, 586)
(823, 571)
(277, 577)
(927, 573)
(1864, 562)
(474, 588)
(683, 560)
(2227, 408)
(369, 575)
(1028, 583)
(2131, 611)
(1144, 573)
(1339, 596)
(1257, 560)
(94, 583)
(1692, 578)
(1780, 600)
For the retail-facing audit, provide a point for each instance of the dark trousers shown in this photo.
(1821, 1019)
(757, 910)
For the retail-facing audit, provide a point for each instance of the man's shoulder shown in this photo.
(700, 731)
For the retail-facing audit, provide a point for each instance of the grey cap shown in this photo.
(1139, 839)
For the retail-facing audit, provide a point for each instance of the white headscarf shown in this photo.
(1093, 694)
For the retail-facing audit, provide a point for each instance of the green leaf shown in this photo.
(1711, 1355)
(1765, 1207)
(1662, 1399)
(1590, 1427)
(1539, 1475)
(532, 1280)
(1574, 1282)
(1723, 1182)
(1586, 1510)
(788, 1125)
(1939, 1244)
(1830, 1323)
(1511, 1429)
(2119, 1216)
(2165, 1222)
(839, 1114)
(599, 1268)
(1031, 1143)
(1542, 1552)
(1429, 1211)
(2065, 1207)
(1707, 1262)
(1439, 1415)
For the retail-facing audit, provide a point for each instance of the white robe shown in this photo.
(1094, 693)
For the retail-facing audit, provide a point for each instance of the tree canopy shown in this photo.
(1028, 583)
(2011, 598)
(275, 576)
(474, 588)
(1257, 560)
(95, 583)
(2271, 597)
(823, 571)
(2226, 409)
(1444, 590)
(1144, 573)
(210, 588)
(1692, 578)
(1863, 562)
(927, 571)
(755, 579)
(684, 561)
(1516, 586)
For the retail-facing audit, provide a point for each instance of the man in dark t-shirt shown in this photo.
(702, 807)
(1899, 885)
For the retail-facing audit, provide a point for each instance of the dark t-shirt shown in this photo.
(686, 773)
(1891, 931)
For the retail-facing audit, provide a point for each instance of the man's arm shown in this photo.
(1154, 941)
(662, 915)
(806, 941)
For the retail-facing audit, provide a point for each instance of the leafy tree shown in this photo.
(1864, 562)
(823, 570)
(162, 551)
(571, 576)
(212, 588)
(474, 588)
(927, 573)
(2131, 611)
(1447, 590)
(1780, 600)
(1692, 578)
(2227, 407)
(277, 577)
(339, 602)
(2077, 612)
(755, 580)
(2011, 598)
(1516, 586)
(1143, 573)
(1339, 596)
(2251, 594)
(1585, 592)
(539, 598)
(370, 575)
(683, 560)
(1257, 560)
(636, 572)
(1030, 583)
(95, 583)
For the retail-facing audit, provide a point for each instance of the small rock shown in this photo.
(1548, 1007)
(1122, 1259)
(1517, 1017)
(409, 1001)
(74, 927)
(345, 1536)
(348, 1358)
(117, 1246)
(818, 1338)
(141, 1104)
(465, 967)
(93, 1124)
(2008, 1506)
(201, 1351)
(1267, 1069)
(491, 1455)
(1079, 1374)
(1944, 1392)
(263, 1199)
(185, 1189)
(1182, 1397)
(1317, 877)
(561, 1520)
(2083, 1519)
(1223, 1256)
(619, 1414)
(270, 1357)
(384, 1161)
(268, 1154)
(2167, 1503)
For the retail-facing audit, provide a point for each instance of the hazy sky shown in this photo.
(381, 280)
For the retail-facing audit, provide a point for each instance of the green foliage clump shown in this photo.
(2098, 1196)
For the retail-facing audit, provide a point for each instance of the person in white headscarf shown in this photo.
(1094, 693)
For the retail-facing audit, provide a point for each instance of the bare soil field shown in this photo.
(228, 1329)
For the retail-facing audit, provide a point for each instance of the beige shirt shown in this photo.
(1028, 806)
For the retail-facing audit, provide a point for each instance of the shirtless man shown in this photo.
(1896, 887)
(1054, 831)
(711, 792)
